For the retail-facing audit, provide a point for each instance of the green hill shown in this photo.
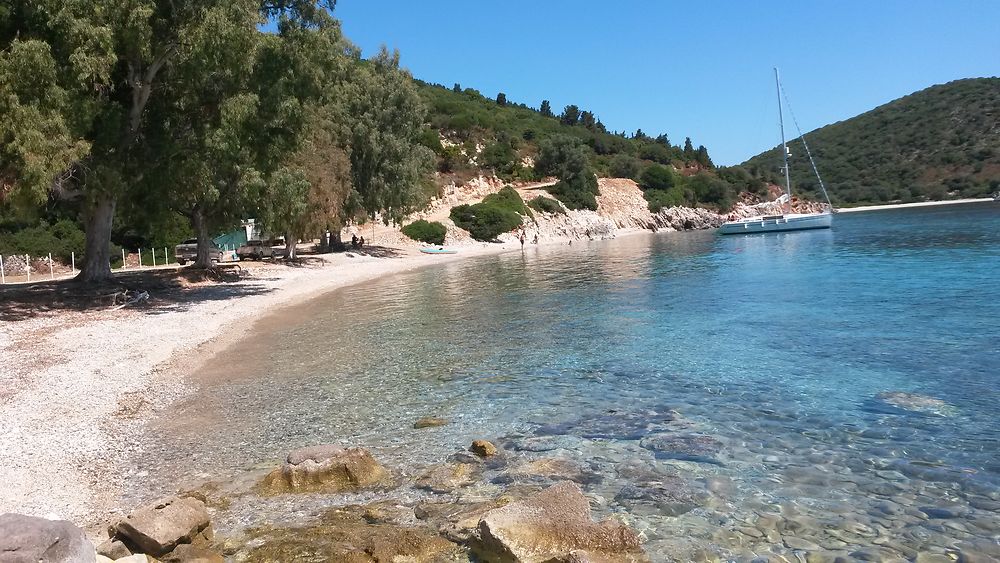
(938, 143)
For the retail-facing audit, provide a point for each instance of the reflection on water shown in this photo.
(745, 372)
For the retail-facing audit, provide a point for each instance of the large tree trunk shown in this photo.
(290, 240)
(205, 246)
(97, 249)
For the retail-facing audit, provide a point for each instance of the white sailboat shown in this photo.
(784, 221)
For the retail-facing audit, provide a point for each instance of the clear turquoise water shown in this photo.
(774, 347)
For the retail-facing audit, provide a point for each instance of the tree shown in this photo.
(570, 115)
(501, 99)
(624, 166)
(640, 135)
(701, 157)
(383, 116)
(663, 140)
(564, 157)
(588, 120)
(545, 109)
(457, 88)
(688, 149)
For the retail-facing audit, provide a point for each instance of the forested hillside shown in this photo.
(938, 143)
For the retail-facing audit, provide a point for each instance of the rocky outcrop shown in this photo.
(687, 219)
(26, 539)
(328, 469)
(156, 529)
(554, 525)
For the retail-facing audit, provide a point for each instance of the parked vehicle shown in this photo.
(255, 250)
(187, 251)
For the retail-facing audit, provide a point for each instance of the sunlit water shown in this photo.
(742, 373)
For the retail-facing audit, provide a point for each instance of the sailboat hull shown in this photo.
(777, 223)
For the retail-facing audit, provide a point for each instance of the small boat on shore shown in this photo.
(784, 221)
(438, 250)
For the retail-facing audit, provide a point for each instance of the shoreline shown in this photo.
(915, 204)
(80, 387)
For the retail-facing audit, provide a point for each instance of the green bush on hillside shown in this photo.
(509, 199)
(485, 222)
(426, 231)
(546, 205)
(659, 199)
(624, 166)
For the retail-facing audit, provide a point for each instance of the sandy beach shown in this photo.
(917, 204)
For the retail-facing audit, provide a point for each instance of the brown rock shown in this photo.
(37, 540)
(553, 525)
(113, 549)
(158, 528)
(483, 448)
(447, 478)
(345, 535)
(328, 469)
(429, 422)
(187, 553)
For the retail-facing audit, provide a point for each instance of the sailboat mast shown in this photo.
(784, 147)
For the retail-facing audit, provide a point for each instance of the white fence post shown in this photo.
(166, 257)
(72, 258)
(27, 266)
(140, 257)
(123, 258)
(154, 256)
(3, 277)
(52, 274)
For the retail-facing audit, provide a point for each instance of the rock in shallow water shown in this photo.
(37, 540)
(328, 469)
(483, 448)
(159, 527)
(917, 403)
(429, 422)
(613, 425)
(448, 478)
(689, 447)
(554, 524)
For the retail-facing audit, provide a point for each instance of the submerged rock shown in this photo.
(158, 528)
(547, 471)
(483, 448)
(37, 540)
(430, 422)
(689, 447)
(554, 525)
(328, 469)
(917, 403)
(670, 497)
(613, 425)
(345, 535)
(448, 478)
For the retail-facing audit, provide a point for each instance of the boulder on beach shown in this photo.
(37, 540)
(113, 549)
(554, 525)
(483, 448)
(158, 528)
(327, 469)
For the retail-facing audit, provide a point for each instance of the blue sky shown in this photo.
(697, 69)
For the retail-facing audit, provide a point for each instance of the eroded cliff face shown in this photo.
(621, 207)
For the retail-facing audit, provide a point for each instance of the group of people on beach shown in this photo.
(522, 235)
(357, 242)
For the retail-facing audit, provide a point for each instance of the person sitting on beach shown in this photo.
(354, 241)
(361, 242)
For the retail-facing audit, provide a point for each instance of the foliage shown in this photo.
(546, 205)
(484, 221)
(501, 157)
(937, 143)
(61, 239)
(545, 109)
(507, 198)
(657, 177)
(565, 158)
(429, 232)
(624, 166)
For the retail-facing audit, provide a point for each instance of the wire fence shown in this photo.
(23, 268)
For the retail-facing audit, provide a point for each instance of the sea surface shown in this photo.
(832, 391)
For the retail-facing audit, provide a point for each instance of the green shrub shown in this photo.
(507, 198)
(657, 177)
(485, 221)
(658, 199)
(624, 166)
(546, 205)
(62, 239)
(578, 191)
(429, 232)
